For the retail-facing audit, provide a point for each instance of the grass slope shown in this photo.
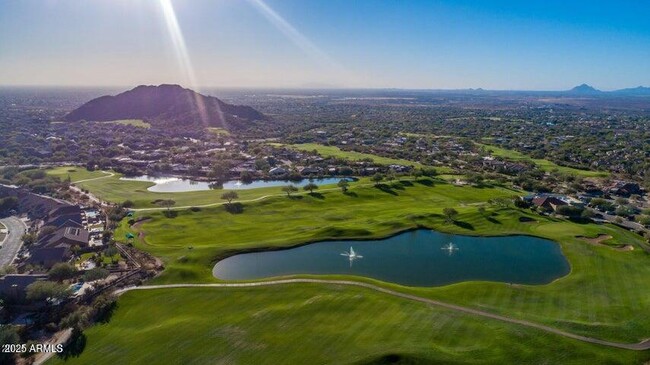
(133, 122)
(316, 324)
(333, 151)
(606, 295)
(75, 173)
(543, 164)
(115, 190)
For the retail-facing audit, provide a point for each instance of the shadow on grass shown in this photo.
(464, 225)
(234, 208)
(425, 182)
(170, 213)
(400, 359)
(296, 197)
(386, 189)
(397, 186)
(105, 313)
(492, 220)
(317, 195)
(75, 346)
(351, 194)
(580, 220)
(526, 220)
(406, 183)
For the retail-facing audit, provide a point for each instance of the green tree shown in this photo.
(29, 239)
(344, 185)
(310, 187)
(450, 214)
(229, 196)
(166, 203)
(644, 220)
(62, 271)
(569, 210)
(289, 189)
(42, 290)
(8, 335)
(96, 273)
(377, 178)
(77, 320)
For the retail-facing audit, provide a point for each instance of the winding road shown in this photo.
(12, 243)
(641, 346)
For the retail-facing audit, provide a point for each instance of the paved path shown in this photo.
(246, 201)
(90, 195)
(60, 337)
(643, 345)
(12, 243)
(107, 175)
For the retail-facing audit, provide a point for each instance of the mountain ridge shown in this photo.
(166, 105)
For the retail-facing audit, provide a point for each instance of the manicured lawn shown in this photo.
(280, 221)
(115, 190)
(219, 131)
(317, 324)
(543, 164)
(134, 122)
(605, 295)
(333, 151)
(75, 173)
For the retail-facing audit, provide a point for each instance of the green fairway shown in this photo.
(366, 211)
(133, 122)
(605, 295)
(218, 131)
(316, 324)
(543, 164)
(76, 173)
(333, 151)
(112, 189)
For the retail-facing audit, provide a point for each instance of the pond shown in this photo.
(415, 258)
(167, 184)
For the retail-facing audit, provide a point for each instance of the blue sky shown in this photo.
(531, 45)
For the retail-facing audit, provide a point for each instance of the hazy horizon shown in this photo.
(256, 44)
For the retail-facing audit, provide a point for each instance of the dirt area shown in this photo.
(144, 259)
(136, 226)
(598, 241)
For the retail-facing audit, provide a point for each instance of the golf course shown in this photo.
(605, 295)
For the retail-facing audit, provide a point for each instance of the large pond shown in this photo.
(415, 258)
(178, 185)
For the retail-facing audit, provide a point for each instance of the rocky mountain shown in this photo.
(584, 89)
(166, 106)
(634, 91)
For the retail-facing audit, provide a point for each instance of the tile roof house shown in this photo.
(548, 202)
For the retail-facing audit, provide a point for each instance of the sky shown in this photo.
(445, 44)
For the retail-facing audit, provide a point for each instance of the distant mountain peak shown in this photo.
(166, 105)
(585, 89)
(634, 91)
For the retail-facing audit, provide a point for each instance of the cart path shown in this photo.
(641, 346)
(107, 175)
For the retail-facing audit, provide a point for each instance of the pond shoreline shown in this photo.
(532, 264)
